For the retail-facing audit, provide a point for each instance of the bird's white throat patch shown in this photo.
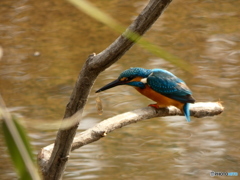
(144, 80)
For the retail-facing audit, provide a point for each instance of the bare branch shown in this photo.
(103, 128)
(93, 66)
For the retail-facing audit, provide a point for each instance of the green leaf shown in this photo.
(14, 151)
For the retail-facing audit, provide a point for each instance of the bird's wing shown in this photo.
(169, 85)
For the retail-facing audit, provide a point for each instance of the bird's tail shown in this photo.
(186, 111)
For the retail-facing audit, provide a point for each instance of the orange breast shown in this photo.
(162, 101)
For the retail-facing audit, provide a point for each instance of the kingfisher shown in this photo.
(159, 85)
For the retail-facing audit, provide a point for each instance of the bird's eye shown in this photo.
(130, 78)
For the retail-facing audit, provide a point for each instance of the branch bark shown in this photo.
(101, 129)
(95, 64)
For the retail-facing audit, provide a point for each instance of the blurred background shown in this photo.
(45, 44)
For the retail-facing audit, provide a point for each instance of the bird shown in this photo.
(159, 85)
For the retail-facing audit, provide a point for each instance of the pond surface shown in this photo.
(45, 44)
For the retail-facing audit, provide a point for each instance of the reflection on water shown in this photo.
(45, 44)
(204, 143)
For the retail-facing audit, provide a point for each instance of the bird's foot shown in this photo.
(154, 105)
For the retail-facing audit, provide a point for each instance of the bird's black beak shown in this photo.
(110, 85)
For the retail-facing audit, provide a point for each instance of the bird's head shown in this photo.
(132, 77)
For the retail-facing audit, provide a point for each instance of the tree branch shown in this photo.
(54, 168)
(101, 129)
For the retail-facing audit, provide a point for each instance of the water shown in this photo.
(45, 45)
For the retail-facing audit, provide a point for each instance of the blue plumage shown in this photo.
(169, 85)
(135, 72)
(157, 84)
(161, 81)
(186, 111)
